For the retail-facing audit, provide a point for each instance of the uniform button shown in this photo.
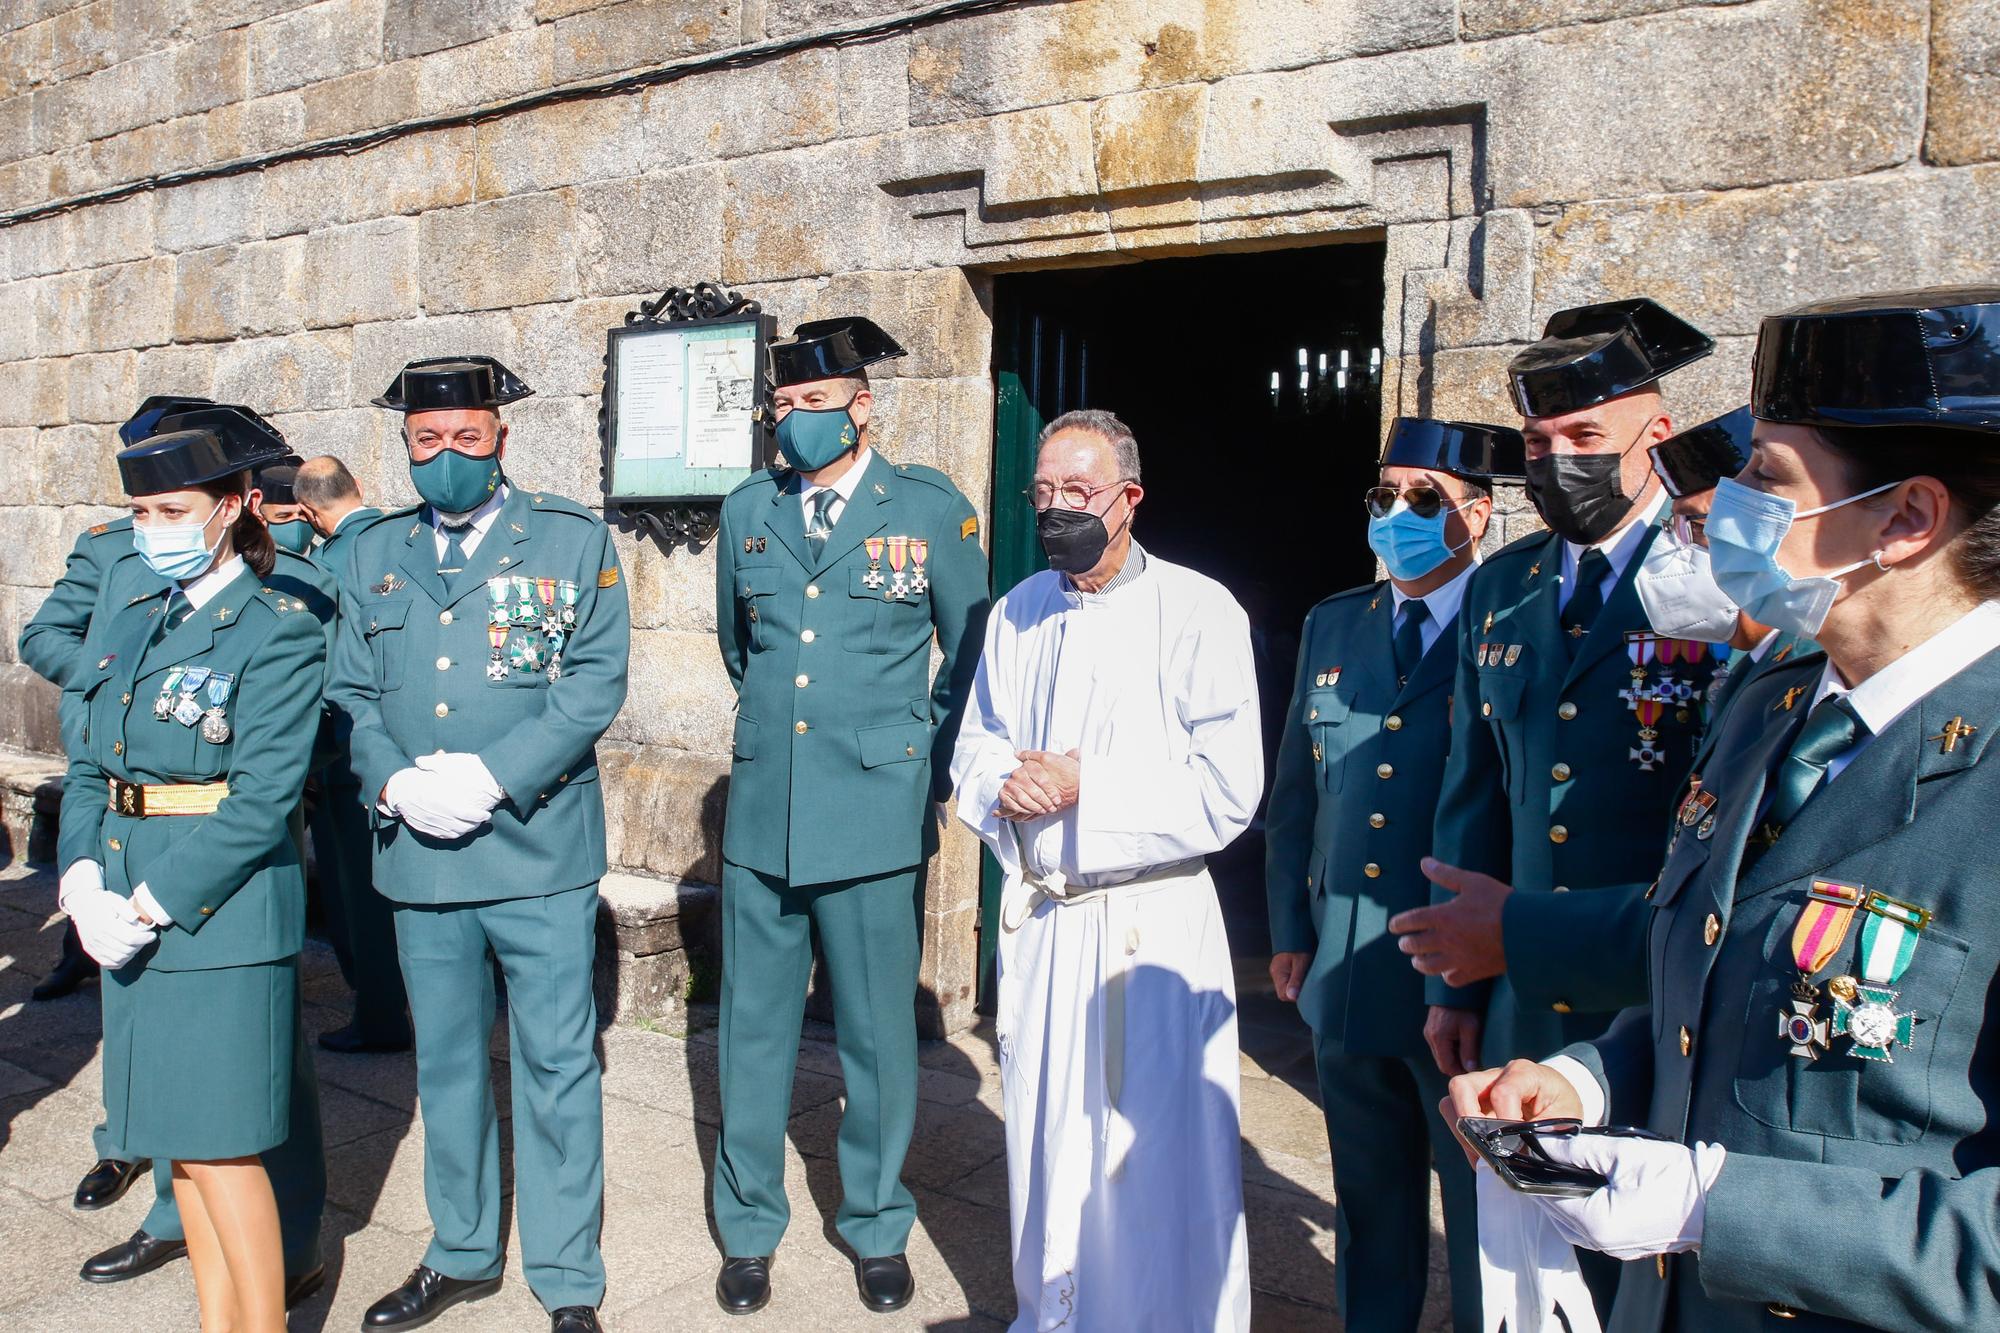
(116, 845)
(1711, 930)
(1372, 870)
(1687, 1040)
(208, 911)
(1313, 716)
(1560, 772)
(1309, 881)
(800, 680)
(444, 664)
(1560, 888)
(441, 710)
(805, 636)
(1486, 710)
(124, 698)
(444, 617)
(1557, 833)
(799, 727)
(1660, 1264)
(812, 590)
(909, 749)
(1377, 820)
(1393, 722)
(1782, 1311)
(1385, 770)
(1561, 1006)
(1566, 710)
(118, 747)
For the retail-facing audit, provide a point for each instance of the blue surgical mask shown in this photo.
(811, 438)
(177, 550)
(294, 536)
(1746, 527)
(1410, 545)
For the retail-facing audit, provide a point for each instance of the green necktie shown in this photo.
(1829, 731)
(819, 523)
(452, 563)
(1587, 600)
(1409, 643)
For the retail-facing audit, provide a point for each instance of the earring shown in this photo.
(1879, 562)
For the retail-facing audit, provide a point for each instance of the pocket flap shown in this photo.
(897, 743)
(757, 581)
(387, 615)
(1500, 695)
(1690, 854)
(745, 743)
(1328, 707)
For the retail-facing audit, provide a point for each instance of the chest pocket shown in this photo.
(878, 624)
(1841, 1095)
(383, 628)
(1326, 719)
(754, 584)
(1500, 699)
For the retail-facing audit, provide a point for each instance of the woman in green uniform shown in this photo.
(1818, 1051)
(178, 867)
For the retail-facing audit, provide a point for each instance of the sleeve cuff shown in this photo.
(150, 905)
(1586, 1088)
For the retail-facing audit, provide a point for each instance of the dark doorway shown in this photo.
(1253, 384)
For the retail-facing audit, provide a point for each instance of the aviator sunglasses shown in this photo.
(1424, 501)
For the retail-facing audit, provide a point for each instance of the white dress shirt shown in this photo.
(844, 488)
(1618, 548)
(1440, 604)
(481, 519)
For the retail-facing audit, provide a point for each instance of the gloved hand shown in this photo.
(471, 782)
(427, 803)
(81, 877)
(111, 931)
(1654, 1200)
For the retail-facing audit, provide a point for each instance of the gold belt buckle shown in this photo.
(128, 798)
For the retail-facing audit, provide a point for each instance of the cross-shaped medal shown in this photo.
(1953, 731)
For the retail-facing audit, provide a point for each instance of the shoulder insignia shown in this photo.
(968, 528)
(268, 592)
(416, 528)
(608, 578)
(517, 527)
(879, 489)
(99, 529)
(536, 498)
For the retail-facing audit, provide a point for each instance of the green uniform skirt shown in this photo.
(198, 1065)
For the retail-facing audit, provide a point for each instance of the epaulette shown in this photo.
(761, 480)
(548, 502)
(281, 602)
(1533, 541)
(929, 476)
(121, 525)
(1364, 590)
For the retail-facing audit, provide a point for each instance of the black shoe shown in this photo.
(350, 1040)
(575, 1319)
(424, 1295)
(300, 1289)
(106, 1183)
(886, 1284)
(744, 1285)
(132, 1258)
(70, 973)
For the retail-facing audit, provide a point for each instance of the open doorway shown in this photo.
(1253, 384)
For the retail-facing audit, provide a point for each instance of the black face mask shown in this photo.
(1579, 495)
(1073, 539)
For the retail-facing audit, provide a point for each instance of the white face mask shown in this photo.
(1745, 528)
(1680, 594)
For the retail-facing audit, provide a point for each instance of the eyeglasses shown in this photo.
(1424, 501)
(1074, 494)
(475, 443)
(1690, 531)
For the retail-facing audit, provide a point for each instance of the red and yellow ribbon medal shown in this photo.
(1816, 938)
(920, 551)
(873, 578)
(899, 554)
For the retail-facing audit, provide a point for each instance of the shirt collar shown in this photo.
(1885, 696)
(1620, 545)
(203, 588)
(1441, 604)
(481, 518)
(849, 482)
(1757, 650)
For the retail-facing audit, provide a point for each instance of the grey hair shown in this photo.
(1107, 427)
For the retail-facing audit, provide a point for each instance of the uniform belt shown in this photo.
(143, 800)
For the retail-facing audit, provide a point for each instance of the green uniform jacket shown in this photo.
(1546, 791)
(231, 880)
(841, 735)
(1359, 765)
(333, 550)
(1858, 1191)
(410, 674)
(52, 644)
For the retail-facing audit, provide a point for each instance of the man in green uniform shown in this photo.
(832, 578)
(482, 653)
(1360, 761)
(359, 921)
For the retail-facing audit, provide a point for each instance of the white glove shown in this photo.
(1526, 1269)
(1654, 1201)
(471, 781)
(426, 802)
(111, 931)
(81, 877)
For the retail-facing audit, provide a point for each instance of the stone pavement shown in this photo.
(660, 1112)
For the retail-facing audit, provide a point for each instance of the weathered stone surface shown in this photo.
(561, 145)
(1964, 83)
(679, 694)
(16, 133)
(28, 708)
(178, 369)
(667, 591)
(37, 395)
(494, 254)
(292, 373)
(322, 41)
(210, 71)
(131, 305)
(210, 212)
(775, 208)
(874, 83)
(502, 66)
(552, 446)
(354, 435)
(794, 101)
(663, 811)
(1148, 139)
(376, 96)
(655, 930)
(103, 388)
(364, 272)
(1500, 18)
(415, 28)
(649, 233)
(408, 175)
(108, 233)
(380, 350)
(232, 290)
(640, 32)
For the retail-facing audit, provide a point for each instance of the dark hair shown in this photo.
(1476, 488)
(249, 535)
(1962, 460)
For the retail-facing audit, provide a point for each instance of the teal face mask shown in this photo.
(454, 483)
(811, 438)
(294, 536)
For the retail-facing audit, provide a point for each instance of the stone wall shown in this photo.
(1728, 158)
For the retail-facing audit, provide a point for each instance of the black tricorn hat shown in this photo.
(449, 383)
(199, 445)
(1915, 358)
(1462, 448)
(275, 480)
(1694, 460)
(1592, 353)
(147, 419)
(825, 349)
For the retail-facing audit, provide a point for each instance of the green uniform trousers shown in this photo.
(1383, 1125)
(360, 922)
(868, 935)
(546, 947)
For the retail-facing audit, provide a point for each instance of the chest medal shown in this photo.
(1816, 938)
(1864, 1010)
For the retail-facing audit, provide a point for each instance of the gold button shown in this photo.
(1560, 888)
(805, 636)
(909, 749)
(1560, 772)
(1309, 881)
(1687, 1040)
(1561, 1006)
(441, 709)
(444, 664)
(800, 680)
(116, 845)
(1393, 722)
(1660, 1264)
(1385, 770)
(444, 617)
(124, 698)
(1372, 870)
(1377, 820)
(1711, 930)
(1486, 710)
(1557, 833)
(1782, 1311)
(812, 590)
(1566, 710)
(799, 727)
(1313, 716)
(208, 911)
(118, 747)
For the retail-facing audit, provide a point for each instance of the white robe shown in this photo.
(1117, 1006)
